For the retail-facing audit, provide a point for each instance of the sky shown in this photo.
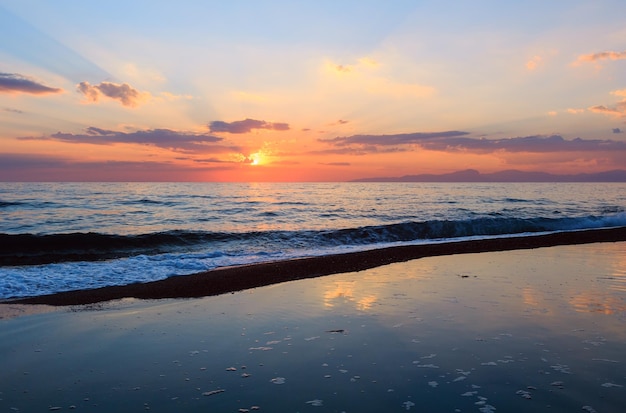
(325, 90)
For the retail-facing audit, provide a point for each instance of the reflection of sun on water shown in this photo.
(591, 302)
(607, 297)
(344, 290)
(366, 302)
(618, 277)
(529, 297)
(535, 299)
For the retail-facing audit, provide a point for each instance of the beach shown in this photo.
(533, 329)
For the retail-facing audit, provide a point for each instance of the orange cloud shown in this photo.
(16, 83)
(621, 93)
(124, 93)
(533, 63)
(617, 110)
(342, 68)
(575, 111)
(594, 57)
(605, 110)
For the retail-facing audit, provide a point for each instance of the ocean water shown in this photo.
(65, 236)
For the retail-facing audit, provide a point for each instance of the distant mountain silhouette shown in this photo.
(472, 175)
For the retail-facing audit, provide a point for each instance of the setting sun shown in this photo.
(256, 159)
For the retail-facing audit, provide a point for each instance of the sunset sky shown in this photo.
(309, 90)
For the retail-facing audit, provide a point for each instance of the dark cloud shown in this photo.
(124, 93)
(617, 130)
(11, 161)
(24, 167)
(217, 160)
(538, 144)
(335, 163)
(358, 150)
(458, 141)
(13, 110)
(163, 138)
(245, 126)
(16, 83)
(399, 139)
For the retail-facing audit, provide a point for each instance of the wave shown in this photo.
(30, 249)
(6, 204)
(147, 201)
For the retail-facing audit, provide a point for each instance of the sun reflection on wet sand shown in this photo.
(347, 291)
(596, 302)
(340, 290)
(617, 280)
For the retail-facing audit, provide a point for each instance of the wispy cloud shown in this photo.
(399, 139)
(178, 141)
(16, 83)
(217, 160)
(37, 167)
(364, 76)
(13, 110)
(458, 141)
(335, 163)
(358, 150)
(124, 93)
(575, 111)
(534, 63)
(616, 110)
(609, 55)
(537, 144)
(12, 161)
(245, 126)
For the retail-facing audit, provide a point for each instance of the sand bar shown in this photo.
(230, 279)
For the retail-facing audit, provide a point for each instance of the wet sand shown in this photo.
(225, 280)
(515, 331)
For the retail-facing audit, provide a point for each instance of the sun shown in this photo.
(255, 159)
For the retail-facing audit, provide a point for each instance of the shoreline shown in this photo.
(231, 279)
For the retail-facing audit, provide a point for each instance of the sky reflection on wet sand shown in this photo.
(526, 330)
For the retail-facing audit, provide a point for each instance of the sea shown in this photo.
(68, 236)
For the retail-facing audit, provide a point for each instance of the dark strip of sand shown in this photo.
(230, 279)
